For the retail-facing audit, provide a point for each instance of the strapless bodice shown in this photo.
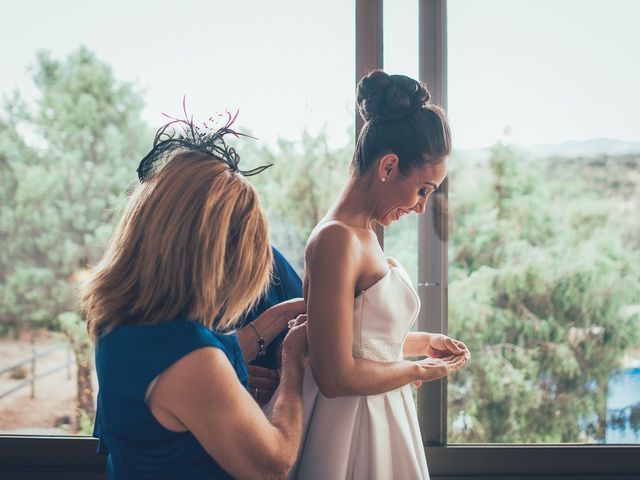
(383, 315)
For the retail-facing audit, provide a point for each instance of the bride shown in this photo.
(360, 417)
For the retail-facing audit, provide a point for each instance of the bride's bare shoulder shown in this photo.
(331, 228)
(332, 237)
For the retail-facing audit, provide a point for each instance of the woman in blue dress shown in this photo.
(189, 257)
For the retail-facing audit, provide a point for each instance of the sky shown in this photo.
(547, 71)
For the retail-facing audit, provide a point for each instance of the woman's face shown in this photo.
(406, 193)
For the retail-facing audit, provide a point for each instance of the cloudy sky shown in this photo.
(549, 70)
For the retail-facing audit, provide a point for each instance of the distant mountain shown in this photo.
(568, 149)
(584, 148)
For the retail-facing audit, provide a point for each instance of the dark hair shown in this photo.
(399, 119)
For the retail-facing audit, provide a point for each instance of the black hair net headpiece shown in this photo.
(205, 140)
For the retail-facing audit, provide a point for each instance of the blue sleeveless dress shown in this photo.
(127, 360)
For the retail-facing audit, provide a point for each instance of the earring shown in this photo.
(383, 179)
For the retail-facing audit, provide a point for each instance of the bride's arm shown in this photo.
(415, 344)
(332, 263)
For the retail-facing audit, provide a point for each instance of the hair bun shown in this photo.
(389, 97)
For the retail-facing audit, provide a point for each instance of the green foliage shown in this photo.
(401, 242)
(75, 330)
(86, 423)
(539, 281)
(298, 189)
(65, 163)
(304, 180)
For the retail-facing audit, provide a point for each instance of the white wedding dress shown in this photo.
(367, 437)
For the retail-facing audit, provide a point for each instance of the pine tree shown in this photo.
(67, 161)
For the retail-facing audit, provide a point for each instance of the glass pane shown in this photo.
(400, 51)
(77, 119)
(544, 272)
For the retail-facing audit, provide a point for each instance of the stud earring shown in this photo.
(383, 179)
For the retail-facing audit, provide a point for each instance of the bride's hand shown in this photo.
(436, 368)
(441, 346)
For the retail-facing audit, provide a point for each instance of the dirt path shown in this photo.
(51, 411)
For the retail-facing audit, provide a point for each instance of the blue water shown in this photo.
(624, 391)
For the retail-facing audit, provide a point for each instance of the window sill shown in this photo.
(544, 461)
(76, 458)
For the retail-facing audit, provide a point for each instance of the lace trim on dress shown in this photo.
(382, 352)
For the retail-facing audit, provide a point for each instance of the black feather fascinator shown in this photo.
(183, 135)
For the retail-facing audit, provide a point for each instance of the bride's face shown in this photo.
(409, 193)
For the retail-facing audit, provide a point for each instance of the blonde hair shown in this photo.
(193, 241)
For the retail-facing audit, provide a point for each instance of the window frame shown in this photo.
(54, 457)
(74, 457)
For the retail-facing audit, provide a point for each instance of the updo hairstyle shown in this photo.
(399, 119)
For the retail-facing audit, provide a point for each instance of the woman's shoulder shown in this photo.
(335, 246)
(195, 335)
(333, 233)
(180, 334)
(161, 345)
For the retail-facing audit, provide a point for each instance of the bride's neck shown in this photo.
(354, 205)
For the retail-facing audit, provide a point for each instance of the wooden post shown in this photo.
(33, 372)
(68, 362)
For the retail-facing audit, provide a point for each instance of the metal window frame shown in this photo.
(433, 225)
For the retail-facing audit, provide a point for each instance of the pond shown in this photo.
(624, 392)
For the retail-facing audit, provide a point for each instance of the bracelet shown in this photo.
(262, 348)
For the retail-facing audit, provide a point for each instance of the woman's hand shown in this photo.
(262, 383)
(269, 324)
(295, 347)
(284, 312)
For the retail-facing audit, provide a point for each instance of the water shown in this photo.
(624, 391)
